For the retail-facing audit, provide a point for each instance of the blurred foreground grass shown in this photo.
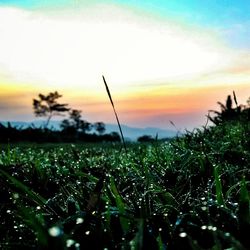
(189, 193)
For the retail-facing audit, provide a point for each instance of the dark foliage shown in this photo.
(11, 134)
(230, 113)
(47, 106)
(145, 138)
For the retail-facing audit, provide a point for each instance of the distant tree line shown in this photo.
(76, 129)
(73, 129)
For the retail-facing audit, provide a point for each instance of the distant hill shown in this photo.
(130, 133)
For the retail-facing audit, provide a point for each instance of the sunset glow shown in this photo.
(160, 66)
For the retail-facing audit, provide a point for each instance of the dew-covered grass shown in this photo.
(189, 193)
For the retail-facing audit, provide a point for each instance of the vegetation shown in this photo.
(9, 133)
(189, 193)
(48, 106)
(145, 138)
(230, 113)
(73, 129)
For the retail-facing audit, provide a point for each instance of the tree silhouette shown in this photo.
(85, 126)
(100, 127)
(75, 116)
(75, 124)
(48, 106)
(145, 138)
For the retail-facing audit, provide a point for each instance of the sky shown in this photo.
(163, 60)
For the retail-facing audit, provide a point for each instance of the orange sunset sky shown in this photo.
(162, 61)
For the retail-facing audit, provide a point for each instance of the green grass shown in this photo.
(189, 193)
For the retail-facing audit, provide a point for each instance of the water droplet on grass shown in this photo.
(183, 234)
(70, 242)
(79, 220)
(54, 231)
(16, 196)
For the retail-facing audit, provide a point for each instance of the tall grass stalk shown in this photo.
(116, 116)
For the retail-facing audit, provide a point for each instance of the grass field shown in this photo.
(189, 193)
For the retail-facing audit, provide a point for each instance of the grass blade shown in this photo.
(121, 207)
(244, 214)
(235, 99)
(116, 116)
(35, 223)
(218, 187)
(23, 188)
(244, 204)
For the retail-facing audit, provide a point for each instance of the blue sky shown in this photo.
(205, 11)
(230, 17)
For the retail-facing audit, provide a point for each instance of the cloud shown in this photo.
(74, 49)
(150, 64)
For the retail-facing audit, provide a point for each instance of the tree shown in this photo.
(85, 126)
(75, 116)
(100, 127)
(47, 106)
(75, 123)
(145, 138)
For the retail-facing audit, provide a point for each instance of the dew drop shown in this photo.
(183, 234)
(79, 220)
(70, 242)
(16, 196)
(54, 231)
